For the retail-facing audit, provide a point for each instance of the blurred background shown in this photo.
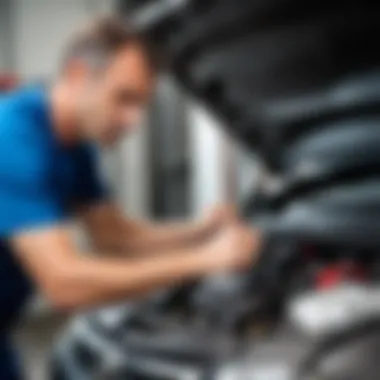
(202, 166)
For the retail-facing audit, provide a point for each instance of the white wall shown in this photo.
(222, 170)
(134, 189)
(41, 29)
(6, 48)
(210, 160)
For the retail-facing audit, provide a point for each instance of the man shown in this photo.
(47, 170)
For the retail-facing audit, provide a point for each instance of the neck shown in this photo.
(63, 114)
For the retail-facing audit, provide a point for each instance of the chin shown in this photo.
(111, 140)
(107, 143)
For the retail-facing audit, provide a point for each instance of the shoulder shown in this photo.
(22, 111)
(23, 145)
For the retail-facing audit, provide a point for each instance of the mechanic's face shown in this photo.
(111, 102)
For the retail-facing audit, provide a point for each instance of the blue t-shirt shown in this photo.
(40, 182)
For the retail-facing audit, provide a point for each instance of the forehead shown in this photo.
(130, 67)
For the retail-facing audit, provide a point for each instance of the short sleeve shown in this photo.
(91, 188)
(27, 200)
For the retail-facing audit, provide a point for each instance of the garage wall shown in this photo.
(222, 170)
(6, 48)
(41, 28)
(211, 160)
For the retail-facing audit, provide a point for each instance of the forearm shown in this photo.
(145, 238)
(90, 281)
(111, 231)
(171, 234)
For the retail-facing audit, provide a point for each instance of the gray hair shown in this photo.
(103, 38)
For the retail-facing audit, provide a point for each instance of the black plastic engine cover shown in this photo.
(274, 69)
(342, 215)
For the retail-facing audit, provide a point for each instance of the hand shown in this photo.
(220, 216)
(233, 248)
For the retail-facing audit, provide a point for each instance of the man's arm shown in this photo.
(71, 280)
(111, 230)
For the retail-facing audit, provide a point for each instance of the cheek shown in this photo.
(107, 106)
(91, 105)
(99, 111)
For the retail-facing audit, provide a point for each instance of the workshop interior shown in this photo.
(270, 104)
